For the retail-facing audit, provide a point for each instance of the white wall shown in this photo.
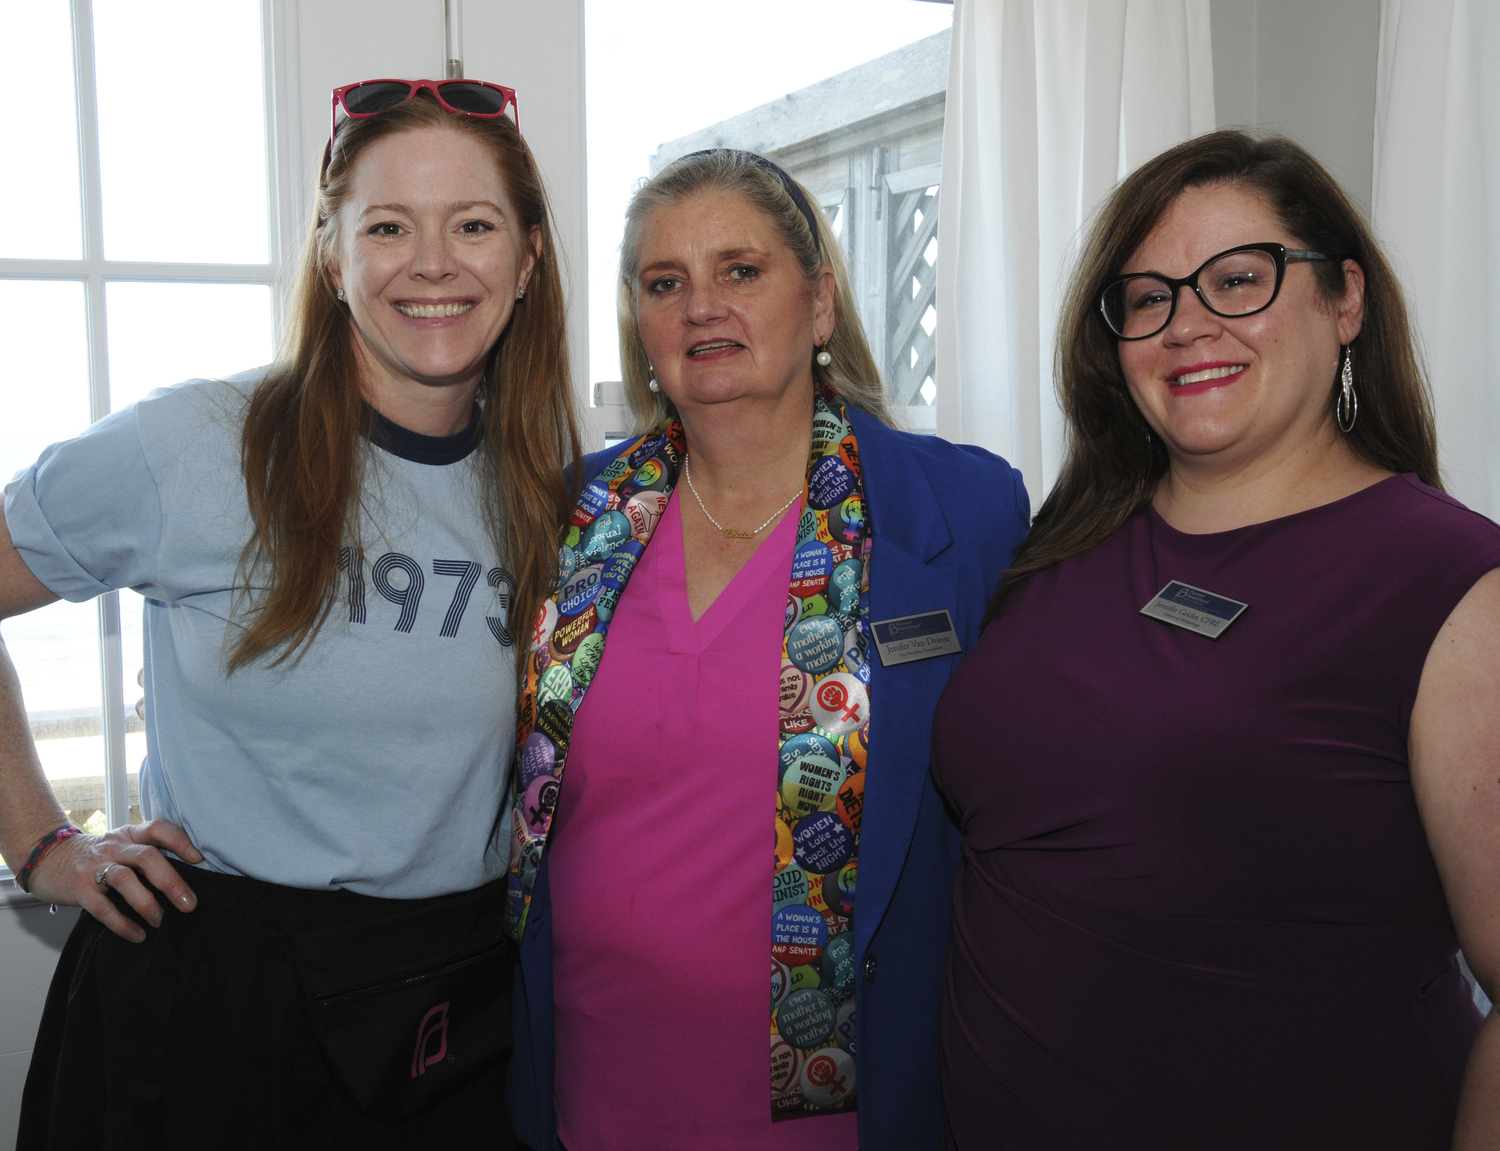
(1304, 69)
(536, 48)
(30, 939)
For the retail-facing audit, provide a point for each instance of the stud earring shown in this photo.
(824, 358)
(521, 292)
(340, 292)
(1346, 407)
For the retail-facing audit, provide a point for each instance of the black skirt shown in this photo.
(275, 1017)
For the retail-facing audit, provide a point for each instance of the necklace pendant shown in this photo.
(729, 533)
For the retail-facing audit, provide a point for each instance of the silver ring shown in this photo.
(102, 874)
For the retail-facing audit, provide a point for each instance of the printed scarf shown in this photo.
(824, 737)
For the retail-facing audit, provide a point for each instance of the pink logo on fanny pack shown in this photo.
(429, 1029)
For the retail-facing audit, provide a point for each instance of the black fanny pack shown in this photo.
(411, 1007)
(409, 1000)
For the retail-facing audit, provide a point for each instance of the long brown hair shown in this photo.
(306, 428)
(1112, 467)
(853, 374)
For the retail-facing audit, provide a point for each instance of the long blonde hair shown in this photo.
(303, 443)
(853, 373)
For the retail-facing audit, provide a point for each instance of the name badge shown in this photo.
(914, 637)
(1194, 609)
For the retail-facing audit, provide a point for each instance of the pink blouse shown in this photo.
(660, 866)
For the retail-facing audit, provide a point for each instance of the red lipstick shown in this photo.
(1199, 387)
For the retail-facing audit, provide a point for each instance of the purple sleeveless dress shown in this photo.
(1196, 908)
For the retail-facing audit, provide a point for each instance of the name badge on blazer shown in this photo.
(912, 637)
(1194, 609)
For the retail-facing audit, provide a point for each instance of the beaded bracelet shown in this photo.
(39, 853)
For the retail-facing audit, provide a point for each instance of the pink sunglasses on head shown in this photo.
(477, 98)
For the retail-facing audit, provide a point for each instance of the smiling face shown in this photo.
(430, 257)
(725, 313)
(1237, 389)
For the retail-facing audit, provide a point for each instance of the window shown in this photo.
(145, 255)
(847, 95)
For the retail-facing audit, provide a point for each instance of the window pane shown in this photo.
(44, 389)
(852, 106)
(162, 334)
(40, 190)
(44, 395)
(184, 170)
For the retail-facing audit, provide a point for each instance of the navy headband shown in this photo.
(788, 184)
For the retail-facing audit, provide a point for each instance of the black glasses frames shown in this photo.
(1240, 282)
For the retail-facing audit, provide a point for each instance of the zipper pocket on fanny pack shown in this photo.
(385, 986)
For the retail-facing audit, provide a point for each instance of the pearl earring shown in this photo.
(653, 385)
(824, 358)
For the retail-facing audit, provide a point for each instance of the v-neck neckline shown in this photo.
(689, 636)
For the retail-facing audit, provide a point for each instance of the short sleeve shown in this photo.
(87, 517)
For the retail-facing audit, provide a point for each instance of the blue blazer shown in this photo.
(946, 519)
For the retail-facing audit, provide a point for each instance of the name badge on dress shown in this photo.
(1194, 609)
(913, 637)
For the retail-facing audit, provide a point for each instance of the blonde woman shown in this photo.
(762, 595)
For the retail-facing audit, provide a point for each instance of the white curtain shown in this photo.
(1050, 102)
(1436, 208)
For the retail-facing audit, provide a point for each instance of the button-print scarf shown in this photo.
(824, 736)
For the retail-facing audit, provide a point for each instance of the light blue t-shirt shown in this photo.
(379, 761)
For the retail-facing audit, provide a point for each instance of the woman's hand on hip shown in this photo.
(81, 871)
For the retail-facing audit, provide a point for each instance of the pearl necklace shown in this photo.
(731, 533)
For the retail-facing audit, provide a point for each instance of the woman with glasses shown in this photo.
(762, 595)
(333, 550)
(1224, 756)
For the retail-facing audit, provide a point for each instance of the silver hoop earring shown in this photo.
(824, 358)
(340, 293)
(1346, 407)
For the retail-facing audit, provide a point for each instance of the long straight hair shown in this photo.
(1112, 466)
(306, 430)
(853, 374)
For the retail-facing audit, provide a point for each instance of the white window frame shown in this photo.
(93, 271)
